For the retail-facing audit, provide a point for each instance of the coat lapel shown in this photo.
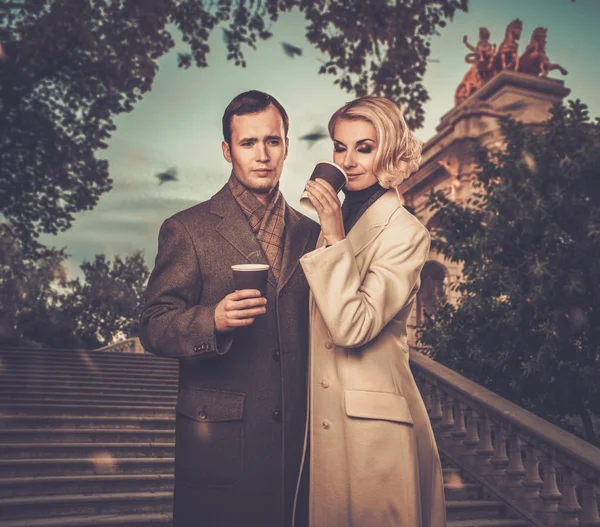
(372, 222)
(295, 240)
(234, 227)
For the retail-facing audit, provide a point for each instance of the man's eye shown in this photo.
(247, 144)
(274, 142)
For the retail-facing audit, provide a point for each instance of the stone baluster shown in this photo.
(459, 430)
(471, 439)
(436, 407)
(447, 423)
(425, 389)
(485, 449)
(515, 471)
(569, 506)
(589, 501)
(532, 483)
(550, 495)
(500, 458)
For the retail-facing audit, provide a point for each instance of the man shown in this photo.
(241, 408)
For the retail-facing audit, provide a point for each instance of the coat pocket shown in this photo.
(209, 437)
(377, 405)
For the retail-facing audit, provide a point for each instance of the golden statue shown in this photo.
(507, 56)
(535, 61)
(481, 69)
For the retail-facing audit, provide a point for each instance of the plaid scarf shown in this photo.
(267, 222)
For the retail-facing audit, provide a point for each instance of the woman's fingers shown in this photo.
(324, 196)
(315, 199)
(328, 189)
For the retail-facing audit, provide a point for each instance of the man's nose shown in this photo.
(262, 152)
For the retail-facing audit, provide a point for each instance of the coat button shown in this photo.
(326, 424)
(325, 383)
(276, 415)
(328, 344)
(276, 355)
(280, 293)
(196, 348)
(202, 414)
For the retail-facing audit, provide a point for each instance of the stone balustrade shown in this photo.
(549, 476)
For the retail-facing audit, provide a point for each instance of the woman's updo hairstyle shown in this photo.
(399, 151)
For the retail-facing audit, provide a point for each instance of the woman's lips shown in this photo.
(353, 175)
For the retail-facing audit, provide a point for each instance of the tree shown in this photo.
(30, 295)
(527, 324)
(107, 305)
(68, 67)
(40, 306)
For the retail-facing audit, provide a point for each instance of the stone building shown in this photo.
(447, 162)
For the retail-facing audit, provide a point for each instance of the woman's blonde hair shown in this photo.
(399, 151)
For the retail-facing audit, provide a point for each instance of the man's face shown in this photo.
(258, 149)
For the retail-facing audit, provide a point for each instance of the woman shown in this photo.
(372, 456)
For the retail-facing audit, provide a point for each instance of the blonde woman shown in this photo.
(370, 455)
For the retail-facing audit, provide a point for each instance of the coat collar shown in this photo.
(372, 222)
(235, 229)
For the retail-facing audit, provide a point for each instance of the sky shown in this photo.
(178, 123)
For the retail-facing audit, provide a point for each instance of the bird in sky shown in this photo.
(167, 175)
(290, 50)
(317, 134)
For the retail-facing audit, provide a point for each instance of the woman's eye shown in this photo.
(365, 150)
(339, 149)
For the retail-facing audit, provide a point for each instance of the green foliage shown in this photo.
(68, 67)
(108, 303)
(40, 306)
(527, 324)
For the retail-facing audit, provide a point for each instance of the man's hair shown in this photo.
(252, 101)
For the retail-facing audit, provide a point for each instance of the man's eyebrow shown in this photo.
(255, 139)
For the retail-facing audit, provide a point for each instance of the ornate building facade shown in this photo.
(498, 83)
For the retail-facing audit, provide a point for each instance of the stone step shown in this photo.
(99, 384)
(464, 491)
(84, 356)
(85, 387)
(51, 485)
(80, 504)
(100, 464)
(62, 375)
(80, 435)
(87, 422)
(85, 450)
(87, 398)
(474, 509)
(97, 360)
(87, 410)
(483, 522)
(114, 520)
(453, 476)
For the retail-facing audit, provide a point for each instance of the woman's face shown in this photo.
(354, 149)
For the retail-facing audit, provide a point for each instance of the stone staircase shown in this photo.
(87, 439)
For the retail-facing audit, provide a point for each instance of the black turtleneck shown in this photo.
(357, 202)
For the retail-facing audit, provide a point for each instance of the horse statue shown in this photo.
(481, 70)
(507, 57)
(535, 61)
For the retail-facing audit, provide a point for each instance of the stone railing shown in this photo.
(549, 476)
(131, 345)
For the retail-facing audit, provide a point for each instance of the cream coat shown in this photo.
(373, 457)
